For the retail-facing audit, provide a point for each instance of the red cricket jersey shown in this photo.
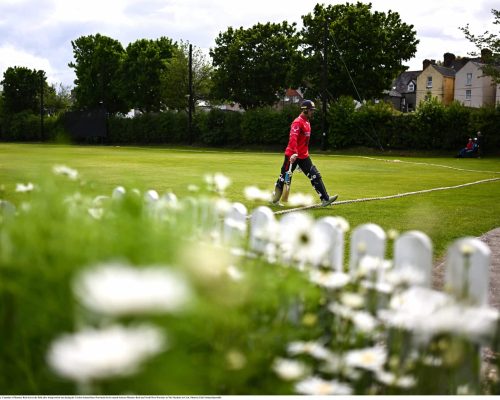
(300, 132)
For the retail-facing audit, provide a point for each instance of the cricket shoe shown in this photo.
(276, 203)
(329, 201)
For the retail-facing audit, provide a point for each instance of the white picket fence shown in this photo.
(317, 246)
(299, 239)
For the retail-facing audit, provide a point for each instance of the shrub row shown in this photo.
(432, 126)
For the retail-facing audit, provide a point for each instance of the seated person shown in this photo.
(470, 150)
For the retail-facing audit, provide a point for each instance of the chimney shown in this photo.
(426, 63)
(486, 55)
(448, 59)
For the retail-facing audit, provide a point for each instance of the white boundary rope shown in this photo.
(395, 196)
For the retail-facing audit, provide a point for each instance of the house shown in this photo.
(436, 81)
(472, 88)
(404, 91)
(291, 96)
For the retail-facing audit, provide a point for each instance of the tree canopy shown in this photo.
(489, 48)
(97, 65)
(21, 89)
(253, 65)
(364, 49)
(142, 72)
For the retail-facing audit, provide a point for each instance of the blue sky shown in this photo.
(38, 33)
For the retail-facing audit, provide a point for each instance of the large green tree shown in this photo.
(175, 83)
(365, 50)
(489, 47)
(97, 64)
(253, 66)
(142, 71)
(21, 89)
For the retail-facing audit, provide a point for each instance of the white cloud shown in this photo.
(10, 57)
(38, 33)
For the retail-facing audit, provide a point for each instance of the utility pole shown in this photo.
(325, 83)
(191, 97)
(42, 128)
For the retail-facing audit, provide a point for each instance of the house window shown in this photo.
(469, 78)
(411, 87)
(429, 82)
(468, 94)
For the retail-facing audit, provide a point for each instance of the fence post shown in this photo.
(413, 253)
(331, 228)
(235, 224)
(262, 227)
(366, 240)
(468, 271)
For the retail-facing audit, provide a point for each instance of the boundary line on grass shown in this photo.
(338, 203)
(416, 163)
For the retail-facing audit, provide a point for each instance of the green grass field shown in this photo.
(443, 215)
(230, 330)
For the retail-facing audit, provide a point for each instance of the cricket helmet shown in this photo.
(308, 105)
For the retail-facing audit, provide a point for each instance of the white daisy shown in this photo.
(99, 354)
(221, 182)
(317, 386)
(371, 358)
(466, 249)
(341, 223)
(71, 173)
(300, 199)
(22, 188)
(409, 308)
(478, 324)
(369, 265)
(234, 273)
(289, 370)
(118, 289)
(391, 379)
(253, 193)
(364, 321)
(96, 212)
(352, 300)
(314, 349)
(405, 276)
(329, 279)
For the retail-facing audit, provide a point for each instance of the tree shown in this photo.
(57, 99)
(176, 78)
(253, 66)
(489, 48)
(98, 61)
(364, 50)
(142, 71)
(21, 89)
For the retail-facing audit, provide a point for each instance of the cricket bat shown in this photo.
(288, 182)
